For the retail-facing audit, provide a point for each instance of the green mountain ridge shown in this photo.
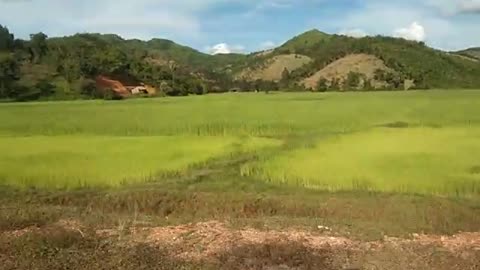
(66, 67)
(410, 61)
(305, 40)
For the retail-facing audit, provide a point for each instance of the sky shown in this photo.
(224, 26)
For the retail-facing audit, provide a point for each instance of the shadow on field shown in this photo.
(398, 124)
(280, 255)
(59, 248)
(55, 247)
(402, 124)
(308, 99)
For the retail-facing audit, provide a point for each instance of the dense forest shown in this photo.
(67, 67)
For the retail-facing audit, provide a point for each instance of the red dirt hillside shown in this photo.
(105, 83)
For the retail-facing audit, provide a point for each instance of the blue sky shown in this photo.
(248, 25)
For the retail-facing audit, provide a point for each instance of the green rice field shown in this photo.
(99, 161)
(440, 161)
(418, 142)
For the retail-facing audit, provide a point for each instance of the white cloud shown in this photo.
(224, 48)
(413, 32)
(450, 24)
(356, 33)
(469, 6)
(266, 45)
(131, 19)
(454, 7)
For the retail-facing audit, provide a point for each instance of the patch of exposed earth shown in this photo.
(222, 247)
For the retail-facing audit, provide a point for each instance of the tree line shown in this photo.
(66, 68)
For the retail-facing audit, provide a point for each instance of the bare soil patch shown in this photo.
(215, 245)
(360, 63)
(273, 68)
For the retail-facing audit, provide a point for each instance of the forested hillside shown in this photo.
(69, 67)
(406, 62)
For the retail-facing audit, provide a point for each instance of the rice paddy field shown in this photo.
(366, 164)
(407, 142)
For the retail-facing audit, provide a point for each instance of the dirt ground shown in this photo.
(215, 245)
(361, 63)
(274, 67)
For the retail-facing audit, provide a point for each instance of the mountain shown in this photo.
(370, 62)
(471, 52)
(305, 41)
(70, 67)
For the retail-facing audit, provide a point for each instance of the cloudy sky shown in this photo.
(248, 25)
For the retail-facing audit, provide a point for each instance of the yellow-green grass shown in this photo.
(100, 161)
(251, 114)
(440, 161)
(144, 135)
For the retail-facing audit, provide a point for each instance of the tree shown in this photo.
(322, 85)
(88, 88)
(45, 87)
(335, 84)
(38, 46)
(9, 70)
(394, 80)
(284, 82)
(353, 80)
(173, 68)
(379, 75)
(7, 40)
(199, 88)
(367, 84)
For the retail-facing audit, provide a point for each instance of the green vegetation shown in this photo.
(89, 177)
(108, 161)
(321, 134)
(407, 60)
(65, 68)
(439, 161)
(171, 161)
(305, 41)
(427, 67)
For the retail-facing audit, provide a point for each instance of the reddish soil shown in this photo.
(106, 83)
(221, 247)
(217, 244)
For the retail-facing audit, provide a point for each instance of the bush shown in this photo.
(322, 85)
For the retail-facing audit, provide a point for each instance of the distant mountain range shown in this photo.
(67, 67)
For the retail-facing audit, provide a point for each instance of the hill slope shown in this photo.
(471, 52)
(273, 68)
(305, 41)
(340, 69)
(67, 67)
(405, 60)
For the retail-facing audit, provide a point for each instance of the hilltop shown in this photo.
(305, 41)
(69, 67)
